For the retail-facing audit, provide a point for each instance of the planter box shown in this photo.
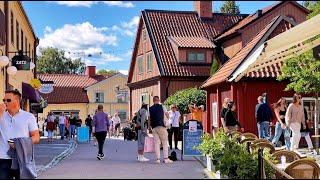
(210, 166)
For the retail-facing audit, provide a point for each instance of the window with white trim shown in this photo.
(140, 64)
(149, 62)
(99, 97)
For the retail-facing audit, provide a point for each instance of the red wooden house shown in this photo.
(239, 45)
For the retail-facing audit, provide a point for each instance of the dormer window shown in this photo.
(196, 57)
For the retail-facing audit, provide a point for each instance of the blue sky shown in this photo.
(104, 29)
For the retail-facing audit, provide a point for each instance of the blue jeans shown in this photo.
(278, 132)
(263, 130)
(61, 130)
(72, 129)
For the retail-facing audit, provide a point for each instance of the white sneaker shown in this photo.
(144, 159)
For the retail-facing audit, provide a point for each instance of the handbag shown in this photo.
(149, 144)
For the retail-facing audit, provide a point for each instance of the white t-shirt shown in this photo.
(61, 119)
(51, 118)
(20, 125)
(174, 118)
(116, 120)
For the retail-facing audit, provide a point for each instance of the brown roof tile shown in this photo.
(192, 42)
(69, 88)
(226, 70)
(162, 24)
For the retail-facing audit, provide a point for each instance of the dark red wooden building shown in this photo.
(238, 46)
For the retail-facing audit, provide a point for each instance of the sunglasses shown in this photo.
(6, 100)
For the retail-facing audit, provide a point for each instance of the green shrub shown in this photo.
(185, 97)
(231, 158)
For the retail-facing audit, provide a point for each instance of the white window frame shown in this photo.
(149, 62)
(100, 100)
(140, 61)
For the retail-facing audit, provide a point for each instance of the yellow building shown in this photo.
(81, 94)
(16, 33)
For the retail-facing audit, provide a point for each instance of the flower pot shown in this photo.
(209, 163)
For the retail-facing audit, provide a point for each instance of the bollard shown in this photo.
(261, 169)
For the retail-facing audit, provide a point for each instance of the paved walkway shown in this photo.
(120, 162)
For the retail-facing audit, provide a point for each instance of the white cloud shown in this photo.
(119, 4)
(90, 3)
(127, 28)
(125, 72)
(75, 3)
(81, 40)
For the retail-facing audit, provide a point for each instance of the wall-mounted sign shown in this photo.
(21, 62)
(46, 88)
(35, 83)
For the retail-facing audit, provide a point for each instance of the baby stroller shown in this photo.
(129, 133)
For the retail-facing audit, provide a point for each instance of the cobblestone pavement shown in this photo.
(120, 162)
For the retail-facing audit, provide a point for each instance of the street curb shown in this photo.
(206, 172)
(71, 148)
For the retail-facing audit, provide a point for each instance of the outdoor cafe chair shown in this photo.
(244, 141)
(290, 155)
(264, 145)
(260, 140)
(303, 169)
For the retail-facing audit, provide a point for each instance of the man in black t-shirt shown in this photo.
(73, 123)
(89, 124)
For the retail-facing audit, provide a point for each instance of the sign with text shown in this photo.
(192, 133)
(46, 88)
(21, 62)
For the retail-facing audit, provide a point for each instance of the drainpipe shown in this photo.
(6, 12)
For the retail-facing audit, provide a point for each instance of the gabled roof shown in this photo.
(253, 17)
(192, 42)
(69, 88)
(225, 71)
(105, 80)
(161, 23)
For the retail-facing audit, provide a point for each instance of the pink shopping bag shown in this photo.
(149, 144)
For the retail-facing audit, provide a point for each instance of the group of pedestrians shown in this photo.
(66, 125)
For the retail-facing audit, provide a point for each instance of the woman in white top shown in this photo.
(50, 126)
(174, 119)
(294, 118)
(116, 121)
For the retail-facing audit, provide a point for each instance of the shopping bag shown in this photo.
(149, 144)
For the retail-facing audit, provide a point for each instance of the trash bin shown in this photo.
(83, 134)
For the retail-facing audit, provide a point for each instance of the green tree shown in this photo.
(313, 6)
(303, 72)
(52, 60)
(214, 66)
(185, 97)
(230, 7)
(107, 72)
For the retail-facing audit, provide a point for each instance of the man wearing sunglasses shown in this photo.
(14, 123)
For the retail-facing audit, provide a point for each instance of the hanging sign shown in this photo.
(46, 88)
(35, 83)
(21, 62)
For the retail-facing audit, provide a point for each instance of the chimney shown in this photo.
(91, 71)
(203, 8)
(259, 13)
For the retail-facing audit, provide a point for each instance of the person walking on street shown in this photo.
(263, 114)
(111, 128)
(306, 132)
(280, 109)
(51, 126)
(294, 118)
(157, 112)
(174, 119)
(88, 122)
(14, 123)
(142, 131)
(100, 127)
(73, 123)
(231, 119)
(62, 124)
(116, 121)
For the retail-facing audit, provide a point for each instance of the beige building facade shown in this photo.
(19, 35)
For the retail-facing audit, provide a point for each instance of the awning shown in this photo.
(293, 42)
(30, 93)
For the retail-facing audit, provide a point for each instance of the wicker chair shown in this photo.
(264, 145)
(244, 141)
(290, 156)
(234, 133)
(303, 169)
(248, 135)
(260, 140)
